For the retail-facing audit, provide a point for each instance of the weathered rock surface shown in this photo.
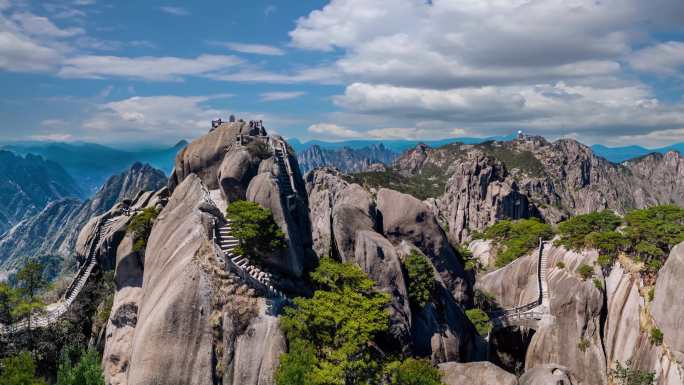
(257, 353)
(124, 313)
(479, 192)
(173, 337)
(668, 307)
(405, 218)
(378, 258)
(475, 373)
(549, 375)
(533, 177)
(573, 338)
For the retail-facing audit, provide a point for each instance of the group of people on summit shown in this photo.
(253, 124)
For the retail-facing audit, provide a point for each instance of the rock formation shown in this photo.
(376, 233)
(475, 373)
(479, 184)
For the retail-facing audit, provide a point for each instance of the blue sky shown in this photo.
(154, 72)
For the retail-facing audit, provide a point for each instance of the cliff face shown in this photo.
(479, 184)
(346, 159)
(598, 321)
(575, 305)
(28, 184)
(179, 315)
(53, 231)
(377, 233)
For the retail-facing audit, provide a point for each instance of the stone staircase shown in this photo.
(56, 310)
(527, 315)
(251, 274)
(285, 178)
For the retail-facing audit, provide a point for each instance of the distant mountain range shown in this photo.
(621, 154)
(91, 164)
(398, 146)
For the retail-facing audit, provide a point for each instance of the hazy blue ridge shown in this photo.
(393, 145)
(91, 164)
(621, 154)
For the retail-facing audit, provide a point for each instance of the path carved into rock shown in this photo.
(530, 314)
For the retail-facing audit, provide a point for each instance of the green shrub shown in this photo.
(141, 227)
(516, 238)
(626, 375)
(560, 265)
(575, 231)
(412, 372)
(583, 345)
(19, 370)
(297, 366)
(421, 278)
(480, 319)
(651, 294)
(338, 325)
(256, 229)
(598, 283)
(585, 271)
(652, 232)
(656, 336)
(86, 371)
(605, 260)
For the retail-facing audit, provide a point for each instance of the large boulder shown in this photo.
(549, 375)
(124, 313)
(263, 190)
(378, 258)
(668, 307)
(237, 169)
(205, 154)
(475, 373)
(353, 211)
(405, 218)
(173, 336)
(441, 330)
(257, 353)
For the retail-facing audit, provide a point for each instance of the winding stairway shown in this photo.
(530, 314)
(56, 310)
(249, 273)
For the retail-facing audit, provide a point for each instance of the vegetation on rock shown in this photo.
(256, 229)
(480, 319)
(627, 375)
(585, 271)
(141, 227)
(332, 335)
(429, 183)
(421, 278)
(412, 372)
(516, 238)
(656, 336)
(647, 235)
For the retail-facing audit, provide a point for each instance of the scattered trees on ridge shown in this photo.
(256, 229)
